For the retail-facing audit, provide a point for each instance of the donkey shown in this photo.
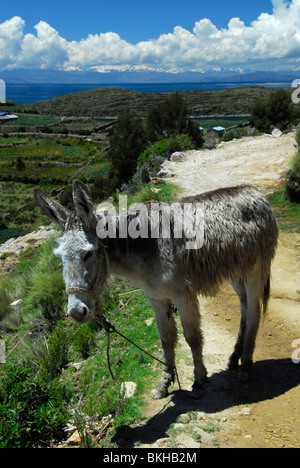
(239, 242)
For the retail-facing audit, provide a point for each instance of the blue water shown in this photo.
(29, 93)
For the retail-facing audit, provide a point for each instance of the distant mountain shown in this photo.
(24, 75)
(258, 77)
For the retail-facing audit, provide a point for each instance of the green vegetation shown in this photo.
(51, 164)
(56, 371)
(293, 177)
(108, 102)
(40, 388)
(277, 111)
(286, 212)
(32, 120)
(126, 144)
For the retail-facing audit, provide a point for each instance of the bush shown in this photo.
(126, 144)
(259, 118)
(277, 112)
(170, 117)
(57, 354)
(293, 177)
(30, 412)
(167, 117)
(167, 147)
(6, 234)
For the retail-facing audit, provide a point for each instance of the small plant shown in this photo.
(57, 352)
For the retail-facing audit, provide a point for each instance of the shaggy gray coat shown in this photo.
(239, 243)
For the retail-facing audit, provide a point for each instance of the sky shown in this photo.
(170, 36)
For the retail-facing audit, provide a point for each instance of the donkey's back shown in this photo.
(240, 232)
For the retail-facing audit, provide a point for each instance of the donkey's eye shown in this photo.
(88, 255)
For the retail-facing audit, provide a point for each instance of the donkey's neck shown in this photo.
(133, 258)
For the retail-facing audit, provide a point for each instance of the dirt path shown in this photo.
(265, 412)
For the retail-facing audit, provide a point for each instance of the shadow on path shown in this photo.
(270, 379)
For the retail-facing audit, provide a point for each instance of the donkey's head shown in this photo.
(81, 251)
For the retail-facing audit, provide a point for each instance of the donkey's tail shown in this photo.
(266, 295)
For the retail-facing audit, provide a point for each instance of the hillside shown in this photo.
(107, 102)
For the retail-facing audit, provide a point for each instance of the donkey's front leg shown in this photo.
(168, 335)
(188, 307)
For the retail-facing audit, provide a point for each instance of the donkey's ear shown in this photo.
(83, 204)
(55, 212)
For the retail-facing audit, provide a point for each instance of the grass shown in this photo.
(286, 212)
(158, 193)
(39, 387)
(31, 120)
(8, 140)
(51, 164)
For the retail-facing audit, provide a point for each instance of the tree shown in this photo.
(259, 117)
(280, 109)
(126, 144)
(277, 111)
(167, 118)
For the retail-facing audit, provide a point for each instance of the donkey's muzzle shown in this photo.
(79, 314)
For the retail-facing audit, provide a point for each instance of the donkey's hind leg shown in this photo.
(168, 335)
(233, 363)
(188, 307)
(253, 290)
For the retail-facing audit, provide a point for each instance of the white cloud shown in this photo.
(270, 40)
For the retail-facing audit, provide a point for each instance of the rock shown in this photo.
(162, 442)
(245, 412)
(165, 173)
(16, 304)
(74, 440)
(184, 419)
(149, 321)
(128, 389)
(201, 416)
(276, 133)
(186, 441)
(178, 426)
(33, 239)
(206, 438)
(177, 156)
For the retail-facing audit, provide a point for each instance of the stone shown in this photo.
(162, 442)
(128, 389)
(74, 440)
(177, 156)
(276, 133)
(245, 412)
(186, 441)
(149, 321)
(206, 438)
(16, 304)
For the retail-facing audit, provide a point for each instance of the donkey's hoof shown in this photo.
(158, 393)
(243, 377)
(232, 365)
(197, 392)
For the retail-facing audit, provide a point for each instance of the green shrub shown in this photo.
(57, 352)
(6, 234)
(292, 184)
(31, 413)
(83, 340)
(277, 111)
(167, 146)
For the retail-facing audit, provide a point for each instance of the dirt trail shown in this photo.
(265, 412)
